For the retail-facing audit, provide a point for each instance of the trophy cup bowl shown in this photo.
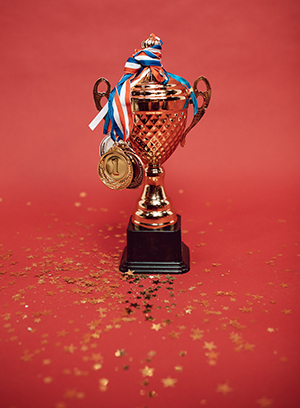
(159, 117)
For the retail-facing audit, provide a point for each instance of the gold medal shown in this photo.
(115, 169)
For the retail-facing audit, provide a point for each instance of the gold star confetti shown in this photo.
(246, 309)
(174, 335)
(270, 330)
(60, 405)
(212, 355)
(265, 402)
(224, 388)
(249, 347)
(120, 353)
(197, 334)
(27, 356)
(286, 311)
(209, 345)
(147, 371)
(156, 327)
(97, 357)
(257, 297)
(47, 380)
(103, 383)
(70, 349)
(129, 273)
(62, 333)
(97, 366)
(169, 382)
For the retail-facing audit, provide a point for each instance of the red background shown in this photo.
(235, 184)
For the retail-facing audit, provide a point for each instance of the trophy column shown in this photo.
(154, 209)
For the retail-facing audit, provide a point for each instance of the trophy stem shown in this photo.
(154, 209)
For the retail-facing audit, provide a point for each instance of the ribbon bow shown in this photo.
(119, 118)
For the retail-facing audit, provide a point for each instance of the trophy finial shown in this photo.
(151, 41)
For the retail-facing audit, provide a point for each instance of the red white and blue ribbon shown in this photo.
(118, 112)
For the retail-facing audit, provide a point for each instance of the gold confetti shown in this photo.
(245, 309)
(209, 345)
(97, 366)
(60, 405)
(120, 353)
(212, 355)
(224, 388)
(174, 335)
(103, 383)
(62, 333)
(27, 356)
(265, 402)
(147, 371)
(70, 349)
(286, 311)
(169, 382)
(249, 347)
(257, 297)
(197, 334)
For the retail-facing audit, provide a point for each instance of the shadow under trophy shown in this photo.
(157, 105)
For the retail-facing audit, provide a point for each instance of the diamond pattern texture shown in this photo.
(156, 135)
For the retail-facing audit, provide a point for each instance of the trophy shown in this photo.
(145, 121)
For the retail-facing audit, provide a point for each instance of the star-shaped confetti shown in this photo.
(197, 334)
(265, 402)
(209, 345)
(147, 371)
(224, 388)
(156, 327)
(120, 353)
(169, 382)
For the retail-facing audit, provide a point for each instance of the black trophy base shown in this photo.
(155, 251)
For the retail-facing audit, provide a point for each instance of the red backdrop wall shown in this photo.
(239, 172)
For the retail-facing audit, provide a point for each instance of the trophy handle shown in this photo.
(201, 110)
(99, 95)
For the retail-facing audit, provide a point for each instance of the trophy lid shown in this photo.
(152, 92)
(150, 41)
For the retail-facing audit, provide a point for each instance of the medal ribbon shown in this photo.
(119, 118)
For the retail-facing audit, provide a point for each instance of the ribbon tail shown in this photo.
(95, 122)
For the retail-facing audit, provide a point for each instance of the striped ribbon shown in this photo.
(118, 112)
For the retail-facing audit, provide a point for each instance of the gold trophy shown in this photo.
(159, 108)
